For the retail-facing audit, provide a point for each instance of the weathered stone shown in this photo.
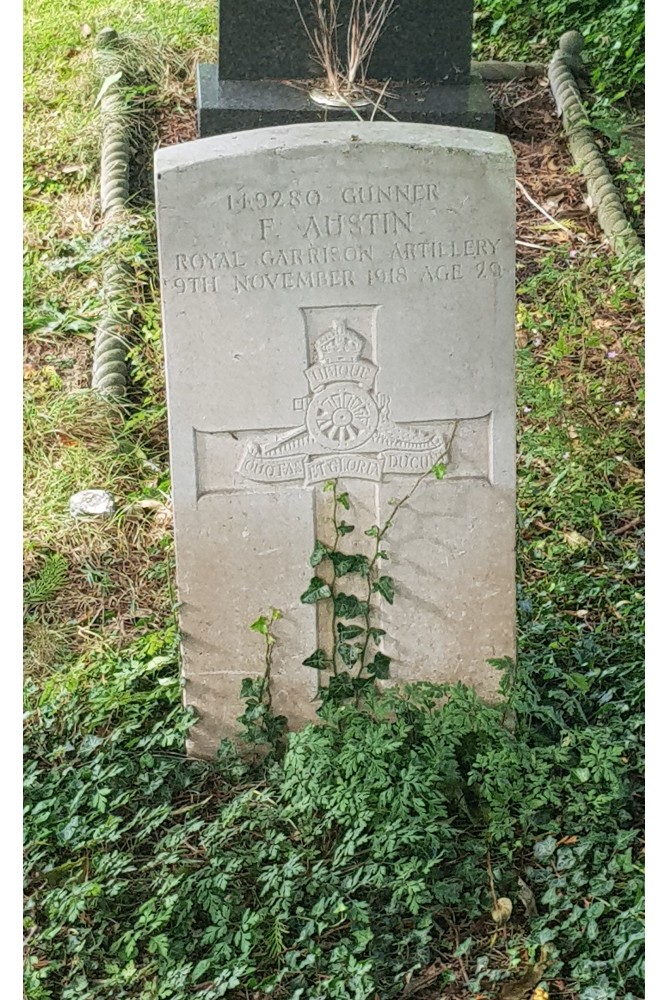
(94, 503)
(233, 105)
(338, 302)
(265, 60)
(426, 40)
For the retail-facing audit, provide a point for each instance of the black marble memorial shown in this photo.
(265, 67)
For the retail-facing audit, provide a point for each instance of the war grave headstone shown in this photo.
(324, 321)
(266, 61)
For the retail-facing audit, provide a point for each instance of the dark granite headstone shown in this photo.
(424, 50)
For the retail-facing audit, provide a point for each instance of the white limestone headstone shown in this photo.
(338, 303)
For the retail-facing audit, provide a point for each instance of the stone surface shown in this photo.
(233, 105)
(325, 317)
(423, 53)
(96, 503)
(426, 40)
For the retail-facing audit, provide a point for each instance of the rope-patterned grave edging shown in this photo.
(110, 350)
(587, 155)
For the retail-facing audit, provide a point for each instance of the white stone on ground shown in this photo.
(95, 503)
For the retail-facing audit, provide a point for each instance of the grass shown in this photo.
(118, 573)
(101, 648)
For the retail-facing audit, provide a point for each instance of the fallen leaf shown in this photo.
(149, 504)
(527, 897)
(416, 984)
(518, 989)
(575, 540)
(66, 439)
(86, 31)
(108, 82)
(552, 204)
(502, 911)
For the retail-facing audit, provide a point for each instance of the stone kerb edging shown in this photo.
(495, 71)
(109, 352)
(587, 155)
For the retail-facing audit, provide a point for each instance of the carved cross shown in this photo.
(346, 430)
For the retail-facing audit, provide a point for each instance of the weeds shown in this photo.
(345, 75)
(335, 872)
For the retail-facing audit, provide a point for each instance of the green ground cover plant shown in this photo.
(613, 33)
(365, 856)
(613, 78)
(337, 868)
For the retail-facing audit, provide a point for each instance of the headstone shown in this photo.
(424, 51)
(327, 320)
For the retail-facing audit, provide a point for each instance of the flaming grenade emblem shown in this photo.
(347, 429)
(342, 415)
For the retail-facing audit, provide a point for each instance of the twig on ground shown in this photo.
(629, 526)
(533, 246)
(544, 212)
(524, 100)
(378, 104)
(491, 885)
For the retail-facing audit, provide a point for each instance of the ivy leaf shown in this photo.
(376, 633)
(318, 590)
(261, 625)
(345, 529)
(344, 500)
(385, 587)
(348, 653)
(374, 531)
(320, 552)
(329, 486)
(250, 687)
(362, 566)
(346, 632)
(319, 660)
(349, 606)
(543, 849)
(379, 666)
(344, 564)
(340, 687)
(362, 682)
(382, 554)
(439, 470)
